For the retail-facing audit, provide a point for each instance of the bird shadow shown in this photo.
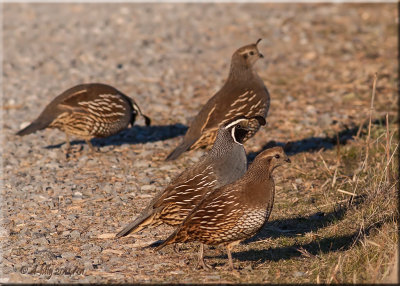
(315, 143)
(293, 227)
(311, 249)
(134, 135)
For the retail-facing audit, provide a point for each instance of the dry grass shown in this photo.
(349, 238)
(359, 238)
(354, 237)
(368, 219)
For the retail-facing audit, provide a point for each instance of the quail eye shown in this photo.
(251, 53)
(238, 126)
(277, 156)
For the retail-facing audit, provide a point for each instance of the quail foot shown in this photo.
(223, 164)
(243, 94)
(234, 212)
(87, 111)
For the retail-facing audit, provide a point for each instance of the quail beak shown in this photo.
(261, 55)
(287, 160)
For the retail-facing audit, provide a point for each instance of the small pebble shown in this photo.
(147, 188)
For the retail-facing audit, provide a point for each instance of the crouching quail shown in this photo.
(233, 212)
(243, 93)
(88, 111)
(223, 164)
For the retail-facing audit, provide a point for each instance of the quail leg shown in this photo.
(92, 149)
(176, 248)
(67, 146)
(228, 249)
(67, 143)
(200, 262)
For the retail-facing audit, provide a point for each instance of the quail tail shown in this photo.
(184, 146)
(33, 127)
(137, 225)
(170, 239)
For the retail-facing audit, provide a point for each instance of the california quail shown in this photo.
(223, 164)
(233, 212)
(243, 93)
(88, 111)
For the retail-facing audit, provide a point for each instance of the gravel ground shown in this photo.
(63, 213)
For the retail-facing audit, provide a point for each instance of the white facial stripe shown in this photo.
(233, 135)
(234, 122)
(233, 129)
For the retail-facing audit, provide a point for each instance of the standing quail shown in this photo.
(223, 164)
(233, 212)
(88, 111)
(243, 93)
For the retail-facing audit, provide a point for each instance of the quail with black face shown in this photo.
(88, 111)
(234, 212)
(223, 164)
(243, 94)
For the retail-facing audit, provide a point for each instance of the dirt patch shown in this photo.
(59, 215)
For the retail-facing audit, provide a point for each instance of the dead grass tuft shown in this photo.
(364, 228)
(337, 222)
